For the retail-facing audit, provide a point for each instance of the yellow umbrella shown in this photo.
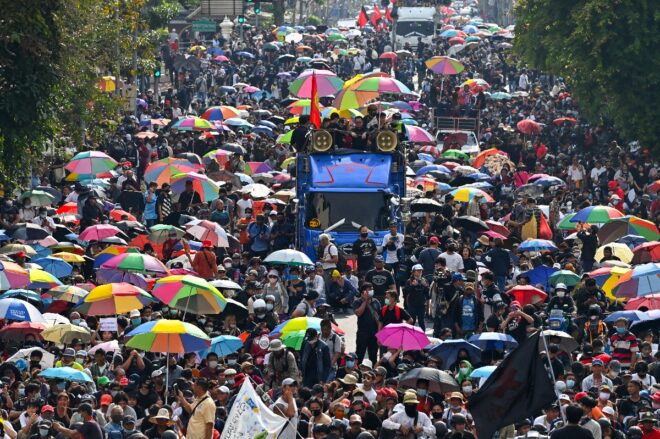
(292, 120)
(621, 251)
(286, 163)
(615, 274)
(69, 257)
(65, 333)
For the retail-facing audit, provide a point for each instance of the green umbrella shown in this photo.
(159, 233)
(285, 138)
(337, 37)
(456, 154)
(294, 340)
(566, 224)
(567, 277)
(38, 198)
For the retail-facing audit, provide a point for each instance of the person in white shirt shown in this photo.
(453, 259)
(330, 252)
(523, 81)
(410, 420)
(244, 203)
(392, 243)
(596, 172)
(286, 407)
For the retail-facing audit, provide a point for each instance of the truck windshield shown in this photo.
(425, 28)
(326, 208)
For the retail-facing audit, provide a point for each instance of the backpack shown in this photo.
(342, 264)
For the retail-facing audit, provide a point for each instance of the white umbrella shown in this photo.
(47, 360)
(53, 319)
(108, 346)
(288, 257)
(257, 190)
(225, 284)
(566, 343)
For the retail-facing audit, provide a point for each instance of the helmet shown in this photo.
(594, 310)
(259, 304)
(561, 286)
(270, 298)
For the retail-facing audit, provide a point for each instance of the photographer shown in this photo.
(391, 246)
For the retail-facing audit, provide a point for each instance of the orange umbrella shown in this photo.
(480, 159)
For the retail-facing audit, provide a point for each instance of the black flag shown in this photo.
(519, 388)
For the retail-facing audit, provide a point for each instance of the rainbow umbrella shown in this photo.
(91, 163)
(134, 261)
(465, 194)
(640, 281)
(444, 65)
(114, 298)
(189, 294)
(646, 252)
(68, 293)
(301, 324)
(627, 225)
(301, 107)
(202, 184)
(565, 223)
(381, 84)
(294, 339)
(221, 112)
(193, 124)
(161, 171)
(108, 253)
(597, 215)
(537, 245)
(619, 250)
(419, 135)
(99, 232)
(327, 83)
(42, 279)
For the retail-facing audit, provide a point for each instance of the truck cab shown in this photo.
(413, 23)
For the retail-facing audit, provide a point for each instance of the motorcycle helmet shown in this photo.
(259, 306)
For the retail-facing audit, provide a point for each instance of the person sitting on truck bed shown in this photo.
(359, 135)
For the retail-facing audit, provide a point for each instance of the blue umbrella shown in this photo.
(425, 157)
(67, 374)
(540, 275)
(245, 179)
(19, 310)
(483, 372)
(246, 54)
(537, 245)
(21, 294)
(261, 129)
(227, 89)
(223, 345)
(632, 316)
(55, 266)
(3, 236)
(42, 251)
(493, 341)
(266, 123)
(480, 176)
(549, 181)
(448, 351)
(469, 29)
(438, 168)
(632, 241)
(238, 122)
(479, 185)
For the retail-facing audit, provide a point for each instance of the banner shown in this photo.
(250, 418)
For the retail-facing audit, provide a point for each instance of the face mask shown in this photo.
(436, 415)
(387, 301)
(570, 383)
(411, 410)
(202, 321)
(371, 293)
(209, 329)
(561, 293)
(114, 393)
(227, 265)
(128, 432)
(80, 360)
(293, 277)
(421, 392)
(455, 406)
(364, 235)
(136, 321)
(620, 330)
(269, 307)
(467, 390)
(21, 391)
(463, 370)
(232, 361)
(603, 396)
(75, 321)
(350, 364)
(316, 412)
(116, 418)
(43, 432)
(61, 386)
(213, 364)
(261, 316)
(43, 215)
(230, 382)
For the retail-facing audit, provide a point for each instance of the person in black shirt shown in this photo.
(89, 429)
(380, 278)
(359, 135)
(364, 251)
(189, 198)
(299, 137)
(517, 322)
(572, 430)
(368, 312)
(392, 313)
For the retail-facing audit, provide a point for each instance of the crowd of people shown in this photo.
(505, 261)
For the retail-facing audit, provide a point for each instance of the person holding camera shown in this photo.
(391, 247)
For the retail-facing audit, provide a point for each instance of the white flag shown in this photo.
(250, 418)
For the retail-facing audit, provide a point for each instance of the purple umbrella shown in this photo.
(109, 275)
(403, 336)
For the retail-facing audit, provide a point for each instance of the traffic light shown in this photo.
(257, 7)
(157, 71)
(241, 19)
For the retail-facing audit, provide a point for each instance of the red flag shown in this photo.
(314, 111)
(363, 19)
(388, 16)
(376, 16)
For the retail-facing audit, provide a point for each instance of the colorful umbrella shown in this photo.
(17, 331)
(402, 336)
(223, 345)
(640, 281)
(627, 225)
(108, 253)
(208, 230)
(647, 252)
(619, 250)
(529, 127)
(193, 124)
(53, 319)
(68, 293)
(566, 223)
(380, 84)
(465, 194)
(327, 83)
(498, 228)
(13, 275)
(202, 184)
(162, 171)
(606, 278)
(221, 112)
(597, 215)
(134, 261)
(19, 310)
(168, 336)
(652, 301)
(567, 277)
(71, 258)
(444, 65)
(526, 294)
(160, 233)
(294, 340)
(99, 232)
(419, 135)
(537, 245)
(110, 276)
(302, 324)
(114, 298)
(189, 294)
(91, 163)
(42, 279)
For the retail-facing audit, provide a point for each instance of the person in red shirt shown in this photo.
(615, 189)
(647, 424)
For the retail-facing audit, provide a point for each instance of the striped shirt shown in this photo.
(624, 346)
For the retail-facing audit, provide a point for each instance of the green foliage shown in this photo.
(313, 20)
(278, 12)
(606, 51)
(161, 13)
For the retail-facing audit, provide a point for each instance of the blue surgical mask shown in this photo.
(387, 301)
(421, 392)
(350, 363)
(371, 293)
(620, 330)
(136, 321)
(269, 306)
(75, 321)
(570, 383)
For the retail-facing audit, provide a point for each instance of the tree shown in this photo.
(606, 51)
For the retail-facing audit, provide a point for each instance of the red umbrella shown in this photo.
(456, 40)
(67, 208)
(21, 329)
(388, 55)
(652, 301)
(117, 214)
(528, 126)
(498, 228)
(561, 120)
(647, 252)
(491, 234)
(526, 294)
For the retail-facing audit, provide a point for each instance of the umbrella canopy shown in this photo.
(134, 261)
(294, 340)
(425, 205)
(193, 124)
(565, 342)
(465, 194)
(13, 275)
(42, 279)
(537, 245)
(301, 324)
(19, 310)
(168, 336)
(619, 250)
(71, 258)
(498, 227)
(607, 277)
(647, 252)
(99, 232)
(67, 374)
(160, 233)
(448, 351)
(68, 293)
(419, 135)
(529, 127)
(162, 171)
(627, 225)
(47, 359)
(526, 294)
(567, 277)
(483, 372)
(471, 223)
(91, 163)
(493, 341)
(190, 294)
(55, 266)
(439, 381)
(288, 257)
(29, 232)
(444, 65)
(649, 320)
(17, 331)
(108, 346)
(639, 281)
(645, 303)
(65, 333)
(114, 298)
(202, 184)
(204, 230)
(402, 336)
(38, 197)
(110, 275)
(596, 215)
(327, 83)
(53, 319)
(221, 112)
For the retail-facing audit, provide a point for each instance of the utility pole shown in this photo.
(134, 66)
(117, 52)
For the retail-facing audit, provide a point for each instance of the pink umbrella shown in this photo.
(99, 232)
(491, 234)
(528, 126)
(403, 336)
(419, 135)
(537, 176)
(258, 167)
(251, 89)
(208, 230)
(433, 150)
(221, 58)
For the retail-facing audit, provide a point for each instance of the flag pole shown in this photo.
(552, 373)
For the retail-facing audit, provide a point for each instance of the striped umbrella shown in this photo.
(68, 293)
(465, 194)
(114, 298)
(189, 294)
(597, 215)
(606, 278)
(537, 245)
(134, 261)
(91, 163)
(628, 225)
(208, 230)
(202, 184)
(108, 253)
(327, 83)
(444, 65)
(221, 112)
(13, 275)
(193, 124)
(19, 310)
(42, 279)
(639, 281)
(161, 171)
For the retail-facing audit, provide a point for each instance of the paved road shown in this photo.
(348, 322)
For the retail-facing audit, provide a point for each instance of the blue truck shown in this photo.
(340, 191)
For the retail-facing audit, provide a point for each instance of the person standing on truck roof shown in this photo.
(299, 136)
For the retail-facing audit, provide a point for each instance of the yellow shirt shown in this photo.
(203, 413)
(75, 365)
